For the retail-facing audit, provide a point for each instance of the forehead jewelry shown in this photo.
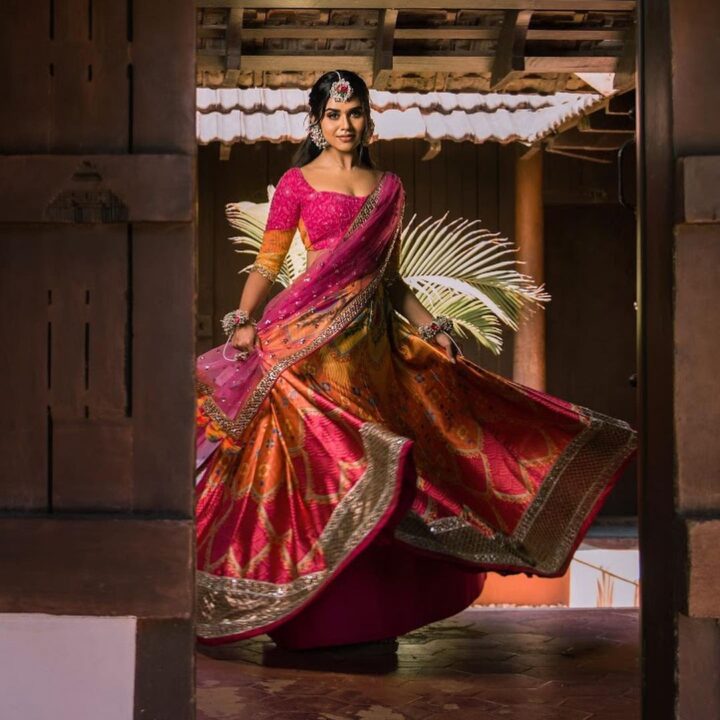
(341, 90)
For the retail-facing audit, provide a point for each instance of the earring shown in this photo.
(317, 137)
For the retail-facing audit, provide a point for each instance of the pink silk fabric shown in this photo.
(354, 484)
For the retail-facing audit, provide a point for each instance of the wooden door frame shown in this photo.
(661, 560)
(660, 550)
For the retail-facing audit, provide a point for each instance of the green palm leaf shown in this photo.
(456, 268)
(464, 271)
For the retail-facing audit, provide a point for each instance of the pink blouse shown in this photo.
(321, 216)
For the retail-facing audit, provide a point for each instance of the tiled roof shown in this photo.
(262, 114)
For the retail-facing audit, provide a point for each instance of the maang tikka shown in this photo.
(341, 90)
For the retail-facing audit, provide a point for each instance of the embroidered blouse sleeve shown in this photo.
(280, 228)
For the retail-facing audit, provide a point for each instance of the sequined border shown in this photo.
(231, 606)
(542, 541)
(262, 270)
(234, 427)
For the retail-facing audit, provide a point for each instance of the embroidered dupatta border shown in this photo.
(566, 498)
(234, 427)
(232, 606)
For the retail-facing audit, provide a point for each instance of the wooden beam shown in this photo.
(384, 41)
(434, 148)
(625, 73)
(100, 565)
(338, 32)
(600, 122)
(571, 64)
(309, 62)
(303, 32)
(463, 64)
(463, 33)
(537, 5)
(582, 156)
(510, 57)
(233, 47)
(576, 35)
(573, 139)
(483, 64)
(150, 188)
(447, 33)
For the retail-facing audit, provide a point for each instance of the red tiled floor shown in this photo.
(551, 664)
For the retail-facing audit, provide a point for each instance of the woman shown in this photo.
(357, 474)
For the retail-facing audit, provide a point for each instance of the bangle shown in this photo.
(437, 325)
(235, 319)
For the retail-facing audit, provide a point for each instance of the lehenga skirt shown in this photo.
(378, 483)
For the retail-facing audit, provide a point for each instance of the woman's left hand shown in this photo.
(444, 341)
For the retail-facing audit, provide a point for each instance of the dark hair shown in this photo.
(319, 95)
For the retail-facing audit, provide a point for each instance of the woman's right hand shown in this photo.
(244, 338)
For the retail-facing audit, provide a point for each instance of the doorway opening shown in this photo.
(550, 88)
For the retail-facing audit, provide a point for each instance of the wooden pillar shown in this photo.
(97, 170)
(679, 382)
(529, 354)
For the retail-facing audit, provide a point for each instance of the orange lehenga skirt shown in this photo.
(377, 483)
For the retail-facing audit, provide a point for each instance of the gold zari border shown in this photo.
(230, 606)
(543, 539)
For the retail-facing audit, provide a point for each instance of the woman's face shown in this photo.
(343, 124)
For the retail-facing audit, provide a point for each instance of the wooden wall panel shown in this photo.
(72, 189)
(24, 328)
(97, 352)
(158, 674)
(163, 58)
(25, 113)
(697, 342)
(163, 399)
(90, 97)
(92, 465)
(590, 273)
(97, 566)
(87, 270)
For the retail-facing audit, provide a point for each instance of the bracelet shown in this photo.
(437, 325)
(235, 319)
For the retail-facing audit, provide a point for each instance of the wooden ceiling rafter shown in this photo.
(233, 47)
(599, 135)
(384, 45)
(510, 55)
(548, 5)
(418, 46)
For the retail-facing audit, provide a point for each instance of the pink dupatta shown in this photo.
(318, 305)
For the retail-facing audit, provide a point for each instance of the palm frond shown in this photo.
(462, 270)
(456, 268)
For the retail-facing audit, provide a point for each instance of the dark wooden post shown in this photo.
(97, 186)
(679, 382)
